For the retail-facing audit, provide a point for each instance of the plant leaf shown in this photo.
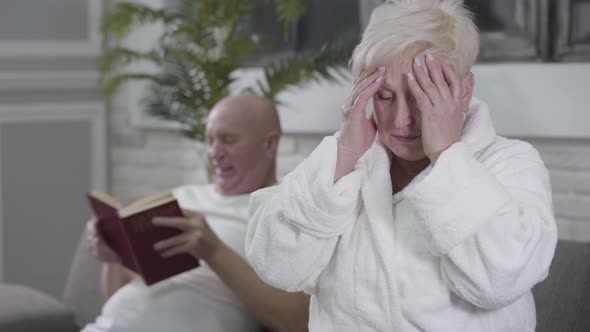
(112, 84)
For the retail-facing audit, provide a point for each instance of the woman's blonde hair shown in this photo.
(445, 28)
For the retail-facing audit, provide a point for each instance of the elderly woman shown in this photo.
(418, 218)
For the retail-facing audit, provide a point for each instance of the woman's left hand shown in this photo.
(196, 239)
(438, 92)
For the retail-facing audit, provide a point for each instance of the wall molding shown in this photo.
(31, 81)
(92, 112)
(89, 47)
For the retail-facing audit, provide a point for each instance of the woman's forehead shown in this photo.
(396, 75)
(397, 69)
(403, 61)
(399, 66)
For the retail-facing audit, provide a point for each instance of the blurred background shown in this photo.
(60, 136)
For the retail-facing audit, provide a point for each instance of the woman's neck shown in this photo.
(402, 172)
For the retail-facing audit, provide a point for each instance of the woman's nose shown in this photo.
(404, 116)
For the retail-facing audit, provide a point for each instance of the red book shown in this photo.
(129, 231)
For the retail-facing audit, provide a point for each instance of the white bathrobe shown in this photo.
(458, 249)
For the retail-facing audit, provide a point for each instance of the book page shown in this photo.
(105, 198)
(163, 196)
(144, 206)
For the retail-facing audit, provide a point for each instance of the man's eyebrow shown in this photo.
(229, 134)
(223, 133)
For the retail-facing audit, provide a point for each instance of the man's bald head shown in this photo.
(242, 138)
(260, 112)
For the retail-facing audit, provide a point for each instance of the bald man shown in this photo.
(223, 294)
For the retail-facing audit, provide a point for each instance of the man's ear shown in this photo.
(468, 85)
(271, 143)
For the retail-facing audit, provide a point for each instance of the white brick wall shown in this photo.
(145, 161)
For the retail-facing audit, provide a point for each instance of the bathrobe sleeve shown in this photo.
(490, 219)
(294, 228)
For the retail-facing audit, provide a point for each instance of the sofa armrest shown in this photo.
(24, 309)
(563, 299)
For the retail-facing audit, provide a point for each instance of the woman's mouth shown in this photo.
(406, 138)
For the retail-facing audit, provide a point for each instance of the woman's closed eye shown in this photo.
(384, 96)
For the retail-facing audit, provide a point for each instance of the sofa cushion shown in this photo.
(563, 299)
(24, 309)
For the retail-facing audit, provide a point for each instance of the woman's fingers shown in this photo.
(423, 79)
(366, 75)
(363, 99)
(362, 77)
(419, 95)
(437, 77)
(361, 86)
(453, 80)
(373, 121)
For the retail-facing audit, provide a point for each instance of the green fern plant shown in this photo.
(198, 51)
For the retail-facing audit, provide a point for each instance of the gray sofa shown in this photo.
(23, 309)
(563, 299)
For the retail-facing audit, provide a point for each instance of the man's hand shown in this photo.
(96, 245)
(196, 238)
(358, 133)
(438, 92)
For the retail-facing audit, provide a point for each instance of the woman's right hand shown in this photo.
(358, 133)
(96, 245)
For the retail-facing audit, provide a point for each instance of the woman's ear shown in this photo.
(468, 85)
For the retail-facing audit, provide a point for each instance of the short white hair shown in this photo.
(444, 28)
